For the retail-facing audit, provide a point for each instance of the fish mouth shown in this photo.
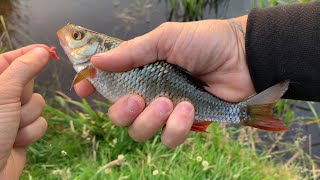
(61, 38)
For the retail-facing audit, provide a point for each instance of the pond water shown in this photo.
(36, 21)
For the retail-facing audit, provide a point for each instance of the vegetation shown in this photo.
(272, 3)
(81, 144)
(189, 10)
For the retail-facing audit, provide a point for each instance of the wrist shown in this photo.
(238, 26)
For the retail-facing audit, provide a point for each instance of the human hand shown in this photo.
(20, 108)
(213, 50)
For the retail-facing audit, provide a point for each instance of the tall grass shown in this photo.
(191, 10)
(272, 3)
(83, 144)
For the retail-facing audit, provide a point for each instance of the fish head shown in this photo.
(79, 44)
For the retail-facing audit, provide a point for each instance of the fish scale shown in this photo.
(162, 79)
(145, 82)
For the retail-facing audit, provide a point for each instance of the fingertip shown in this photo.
(40, 99)
(40, 51)
(151, 119)
(124, 111)
(178, 125)
(84, 88)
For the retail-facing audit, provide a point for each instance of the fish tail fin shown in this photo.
(259, 108)
(200, 126)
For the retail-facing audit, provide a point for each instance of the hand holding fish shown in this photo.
(212, 50)
(20, 108)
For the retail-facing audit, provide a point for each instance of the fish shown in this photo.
(162, 79)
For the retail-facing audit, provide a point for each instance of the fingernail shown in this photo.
(185, 108)
(39, 51)
(163, 107)
(133, 105)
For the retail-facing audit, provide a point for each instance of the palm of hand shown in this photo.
(213, 51)
(20, 108)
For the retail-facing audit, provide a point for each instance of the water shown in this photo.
(36, 21)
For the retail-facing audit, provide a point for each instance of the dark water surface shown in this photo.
(36, 21)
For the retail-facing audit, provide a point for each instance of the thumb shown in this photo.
(25, 68)
(139, 51)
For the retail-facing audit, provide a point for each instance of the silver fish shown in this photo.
(163, 79)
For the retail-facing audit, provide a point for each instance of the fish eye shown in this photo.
(77, 35)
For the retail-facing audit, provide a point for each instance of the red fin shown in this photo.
(266, 122)
(260, 109)
(200, 126)
(53, 53)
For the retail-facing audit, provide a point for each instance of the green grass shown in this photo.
(78, 151)
(2, 49)
(67, 152)
(272, 3)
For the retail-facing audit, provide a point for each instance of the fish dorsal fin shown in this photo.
(192, 78)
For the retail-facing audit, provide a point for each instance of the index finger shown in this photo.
(130, 54)
(10, 56)
(24, 68)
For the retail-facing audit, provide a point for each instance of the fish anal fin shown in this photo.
(200, 126)
(265, 122)
(83, 74)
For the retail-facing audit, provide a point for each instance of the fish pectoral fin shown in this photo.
(200, 126)
(83, 74)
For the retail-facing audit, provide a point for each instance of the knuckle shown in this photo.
(21, 63)
(130, 43)
(166, 25)
(114, 118)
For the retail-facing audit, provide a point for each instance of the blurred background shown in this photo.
(81, 143)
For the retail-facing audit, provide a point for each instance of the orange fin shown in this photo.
(260, 109)
(83, 74)
(266, 122)
(200, 126)
(53, 54)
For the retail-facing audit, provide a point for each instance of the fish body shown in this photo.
(164, 79)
